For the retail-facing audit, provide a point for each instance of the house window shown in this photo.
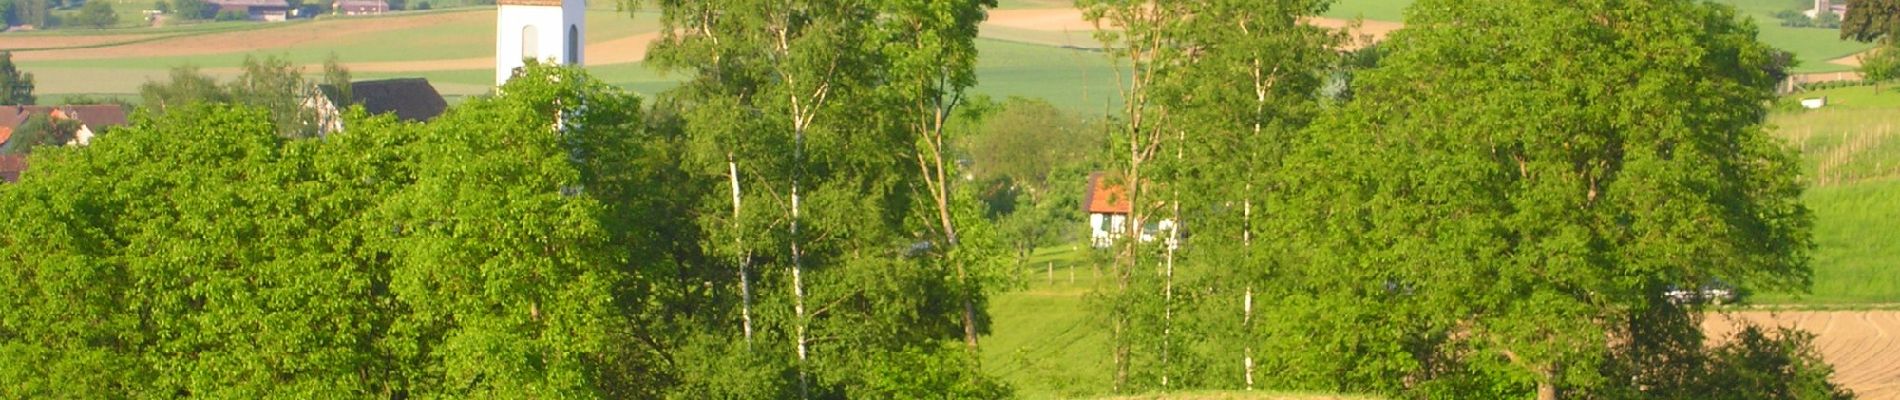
(530, 42)
(573, 45)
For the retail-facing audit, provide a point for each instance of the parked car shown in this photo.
(1715, 292)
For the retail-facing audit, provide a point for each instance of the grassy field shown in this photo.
(1043, 341)
(1381, 10)
(1851, 155)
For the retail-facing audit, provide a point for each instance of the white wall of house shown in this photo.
(1105, 228)
(83, 137)
(538, 32)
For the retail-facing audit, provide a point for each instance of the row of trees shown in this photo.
(39, 13)
(790, 222)
(1491, 203)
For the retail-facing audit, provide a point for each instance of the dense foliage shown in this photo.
(202, 254)
(1495, 206)
(16, 87)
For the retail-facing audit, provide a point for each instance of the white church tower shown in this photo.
(538, 29)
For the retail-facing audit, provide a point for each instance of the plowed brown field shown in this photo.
(1863, 346)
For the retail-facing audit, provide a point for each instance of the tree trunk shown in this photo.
(1546, 390)
(745, 257)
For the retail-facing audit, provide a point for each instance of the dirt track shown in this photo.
(1863, 346)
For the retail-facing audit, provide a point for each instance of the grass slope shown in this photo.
(1851, 156)
(1043, 340)
(1378, 10)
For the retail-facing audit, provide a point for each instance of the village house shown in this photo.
(1109, 207)
(360, 7)
(409, 99)
(256, 10)
(92, 120)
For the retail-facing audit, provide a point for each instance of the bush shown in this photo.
(233, 15)
(98, 14)
(422, 5)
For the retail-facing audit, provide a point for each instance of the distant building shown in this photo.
(1108, 207)
(93, 119)
(546, 30)
(1839, 10)
(1109, 210)
(256, 10)
(360, 7)
(409, 99)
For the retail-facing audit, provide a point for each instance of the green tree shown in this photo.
(185, 86)
(822, 228)
(1880, 65)
(1249, 83)
(1870, 20)
(16, 87)
(7, 12)
(41, 130)
(933, 61)
(98, 14)
(497, 252)
(1142, 48)
(1508, 196)
(274, 84)
(195, 9)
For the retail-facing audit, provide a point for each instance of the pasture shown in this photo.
(1851, 159)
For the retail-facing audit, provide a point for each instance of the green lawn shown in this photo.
(1043, 341)
(1380, 10)
(1851, 156)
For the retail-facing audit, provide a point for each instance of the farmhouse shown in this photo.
(1108, 207)
(1109, 211)
(410, 99)
(360, 7)
(93, 119)
(258, 10)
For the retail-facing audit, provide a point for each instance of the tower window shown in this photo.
(573, 45)
(530, 42)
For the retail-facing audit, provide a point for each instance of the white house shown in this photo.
(546, 30)
(1108, 206)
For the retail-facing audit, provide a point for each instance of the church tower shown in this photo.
(538, 29)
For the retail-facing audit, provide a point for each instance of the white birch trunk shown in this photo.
(745, 257)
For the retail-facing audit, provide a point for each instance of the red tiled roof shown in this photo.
(12, 116)
(1106, 198)
(95, 116)
(11, 166)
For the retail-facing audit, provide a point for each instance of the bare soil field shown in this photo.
(1863, 346)
(615, 51)
(289, 36)
(16, 41)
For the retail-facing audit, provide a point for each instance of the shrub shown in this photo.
(233, 15)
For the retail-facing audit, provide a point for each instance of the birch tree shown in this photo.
(1142, 46)
(797, 98)
(1248, 83)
